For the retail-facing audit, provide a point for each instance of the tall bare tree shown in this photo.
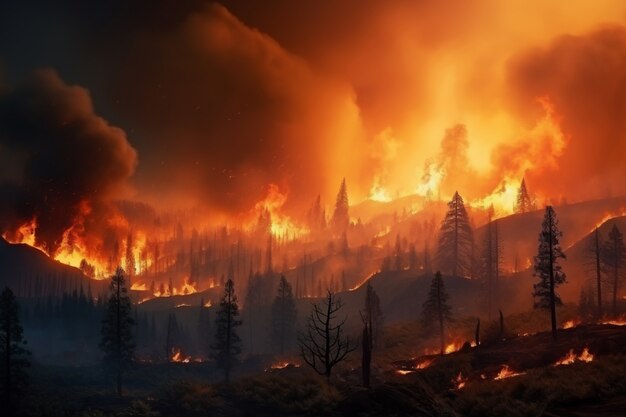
(323, 345)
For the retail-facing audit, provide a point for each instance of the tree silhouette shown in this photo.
(524, 202)
(490, 264)
(547, 267)
(456, 239)
(227, 344)
(322, 345)
(341, 217)
(283, 315)
(596, 252)
(117, 333)
(436, 309)
(13, 355)
(614, 262)
(372, 319)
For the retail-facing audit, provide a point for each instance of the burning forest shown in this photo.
(371, 209)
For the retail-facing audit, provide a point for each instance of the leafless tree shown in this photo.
(323, 345)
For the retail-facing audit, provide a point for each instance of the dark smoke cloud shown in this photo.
(56, 153)
(227, 110)
(585, 79)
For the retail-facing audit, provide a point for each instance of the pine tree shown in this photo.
(614, 262)
(547, 267)
(13, 355)
(596, 252)
(341, 218)
(323, 345)
(456, 239)
(436, 309)
(524, 202)
(283, 316)
(117, 332)
(490, 264)
(227, 344)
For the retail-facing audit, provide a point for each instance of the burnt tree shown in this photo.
(614, 262)
(323, 345)
(547, 267)
(284, 315)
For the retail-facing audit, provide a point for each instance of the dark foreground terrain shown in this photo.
(470, 382)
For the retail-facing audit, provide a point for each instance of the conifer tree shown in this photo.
(373, 314)
(341, 216)
(436, 310)
(524, 202)
(227, 344)
(490, 264)
(13, 355)
(596, 251)
(547, 267)
(456, 239)
(117, 332)
(614, 262)
(284, 315)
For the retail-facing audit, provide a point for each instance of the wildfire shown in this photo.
(379, 193)
(431, 180)
(177, 356)
(185, 289)
(138, 286)
(620, 321)
(183, 305)
(503, 198)
(424, 364)
(571, 357)
(208, 304)
(404, 371)
(570, 324)
(280, 224)
(282, 365)
(459, 382)
(507, 372)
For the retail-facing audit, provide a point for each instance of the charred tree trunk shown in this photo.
(551, 264)
(598, 274)
(367, 355)
(477, 335)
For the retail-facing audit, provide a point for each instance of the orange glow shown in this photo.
(621, 321)
(208, 304)
(507, 372)
(571, 357)
(404, 371)
(138, 286)
(178, 357)
(570, 324)
(459, 382)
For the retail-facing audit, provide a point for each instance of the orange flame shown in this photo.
(459, 382)
(571, 357)
(507, 372)
(178, 357)
(570, 324)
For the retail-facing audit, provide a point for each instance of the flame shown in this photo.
(431, 180)
(404, 371)
(423, 364)
(183, 305)
(281, 225)
(177, 356)
(620, 321)
(503, 198)
(570, 324)
(138, 286)
(570, 357)
(208, 304)
(459, 382)
(378, 192)
(282, 365)
(507, 372)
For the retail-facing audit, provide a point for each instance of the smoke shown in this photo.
(584, 78)
(59, 159)
(228, 110)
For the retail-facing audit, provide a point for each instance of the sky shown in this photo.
(205, 104)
